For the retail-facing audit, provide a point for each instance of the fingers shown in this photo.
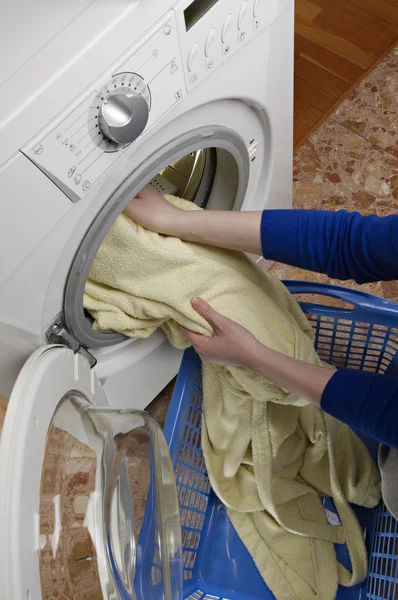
(208, 313)
(147, 192)
(196, 340)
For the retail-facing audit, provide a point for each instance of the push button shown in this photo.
(242, 17)
(210, 46)
(226, 30)
(193, 57)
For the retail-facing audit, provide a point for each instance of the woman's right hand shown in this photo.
(151, 210)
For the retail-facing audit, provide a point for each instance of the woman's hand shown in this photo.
(151, 210)
(230, 345)
(233, 345)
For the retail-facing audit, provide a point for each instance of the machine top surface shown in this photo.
(26, 27)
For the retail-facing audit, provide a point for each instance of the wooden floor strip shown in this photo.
(300, 129)
(312, 95)
(307, 10)
(348, 31)
(379, 8)
(305, 112)
(327, 60)
(334, 43)
(354, 14)
(322, 79)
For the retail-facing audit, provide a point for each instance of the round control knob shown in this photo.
(123, 116)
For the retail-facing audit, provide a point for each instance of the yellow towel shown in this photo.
(269, 454)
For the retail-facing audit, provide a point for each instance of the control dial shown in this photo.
(124, 108)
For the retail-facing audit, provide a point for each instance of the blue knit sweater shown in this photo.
(344, 246)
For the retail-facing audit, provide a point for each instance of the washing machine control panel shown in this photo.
(187, 46)
(211, 31)
(86, 142)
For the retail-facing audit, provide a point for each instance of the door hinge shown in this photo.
(57, 333)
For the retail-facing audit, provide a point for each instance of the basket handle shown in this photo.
(362, 300)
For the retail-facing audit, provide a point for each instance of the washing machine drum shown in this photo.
(88, 501)
(190, 177)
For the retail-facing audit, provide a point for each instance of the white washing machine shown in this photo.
(98, 98)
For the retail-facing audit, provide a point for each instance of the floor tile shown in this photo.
(371, 110)
(339, 169)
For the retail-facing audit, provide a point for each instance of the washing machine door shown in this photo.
(88, 501)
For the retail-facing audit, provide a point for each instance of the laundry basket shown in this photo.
(216, 565)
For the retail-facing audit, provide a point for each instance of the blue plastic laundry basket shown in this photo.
(216, 565)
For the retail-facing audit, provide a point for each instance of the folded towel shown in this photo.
(270, 455)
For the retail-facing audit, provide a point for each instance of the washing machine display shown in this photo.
(196, 10)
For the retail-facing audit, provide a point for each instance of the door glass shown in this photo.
(109, 517)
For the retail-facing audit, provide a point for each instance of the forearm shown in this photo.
(366, 401)
(341, 244)
(226, 229)
(234, 230)
(301, 378)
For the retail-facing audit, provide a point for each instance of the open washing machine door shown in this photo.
(88, 501)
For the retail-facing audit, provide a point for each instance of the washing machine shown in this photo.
(97, 99)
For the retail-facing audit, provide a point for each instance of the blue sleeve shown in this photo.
(368, 402)
(341, 244)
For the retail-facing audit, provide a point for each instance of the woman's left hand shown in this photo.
(151, 210)
(230, 345)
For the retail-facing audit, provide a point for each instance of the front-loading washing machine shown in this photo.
(97, 99)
